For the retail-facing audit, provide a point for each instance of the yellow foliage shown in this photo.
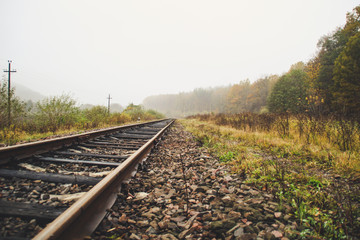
(11, 135)
(320, 150)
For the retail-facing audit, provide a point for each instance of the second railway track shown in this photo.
(69, 182)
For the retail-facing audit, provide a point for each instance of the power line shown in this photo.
(9, 89)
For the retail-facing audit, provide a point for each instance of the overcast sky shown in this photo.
(132, 49)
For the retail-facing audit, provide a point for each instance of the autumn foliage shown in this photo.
(328, 85)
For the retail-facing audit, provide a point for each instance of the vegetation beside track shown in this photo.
(60, 115)
(318, 178)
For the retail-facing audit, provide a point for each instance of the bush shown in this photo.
(119, 118)
(137, 112)
(154, 114)
(54, 113)
(10, 136)
(95, 116)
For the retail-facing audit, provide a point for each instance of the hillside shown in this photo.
(25, 93)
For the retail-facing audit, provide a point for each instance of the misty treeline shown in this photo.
(328, 84)
(241, 97)
(59, 113)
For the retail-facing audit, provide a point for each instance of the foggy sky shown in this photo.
(135, 48)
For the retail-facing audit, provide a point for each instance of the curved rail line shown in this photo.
(83, 216)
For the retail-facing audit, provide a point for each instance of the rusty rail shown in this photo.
(82, 218)
(18, 152)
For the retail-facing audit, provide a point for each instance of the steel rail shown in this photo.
(21, 151)
(82, 218)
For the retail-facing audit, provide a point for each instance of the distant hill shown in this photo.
(25, 93)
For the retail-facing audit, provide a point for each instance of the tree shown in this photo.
(297, 66)
(347, 78)
(352, 25)
(330, 48)
(312, 69)
(237, 97)
(187, 103)
(218, 99)
(259, 93)
(289, 93)
(202, 100)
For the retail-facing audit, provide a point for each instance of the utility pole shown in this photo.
(9, 89)
(109, 104)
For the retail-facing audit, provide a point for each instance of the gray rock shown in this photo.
(167, 236)
(239, 232)
(154, 224)
(269, 236)
(247, 236)
(148, 215)
(287, 217)
(249, 229)
(151, 230)
(222, 226)
(269, 217)
(143, 223)
(134, 236)
(228, 200)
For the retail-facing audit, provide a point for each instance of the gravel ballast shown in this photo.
(182, 192)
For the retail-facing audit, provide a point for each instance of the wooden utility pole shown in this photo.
(9, 92)
(109, 104)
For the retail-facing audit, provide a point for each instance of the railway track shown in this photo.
(61, 188)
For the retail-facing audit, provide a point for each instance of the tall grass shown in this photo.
(329, 141)
(303, 173)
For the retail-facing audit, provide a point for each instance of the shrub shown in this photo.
(54, 113)
(119, 118)
(95, 116)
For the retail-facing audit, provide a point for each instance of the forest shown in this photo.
(329, 83)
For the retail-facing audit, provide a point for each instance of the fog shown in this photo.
(134, 49)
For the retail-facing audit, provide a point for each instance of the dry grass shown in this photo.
(325, 155)
(306, 176)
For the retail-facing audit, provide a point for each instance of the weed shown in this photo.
(10, 135)
(315, 183)
(227, 157)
